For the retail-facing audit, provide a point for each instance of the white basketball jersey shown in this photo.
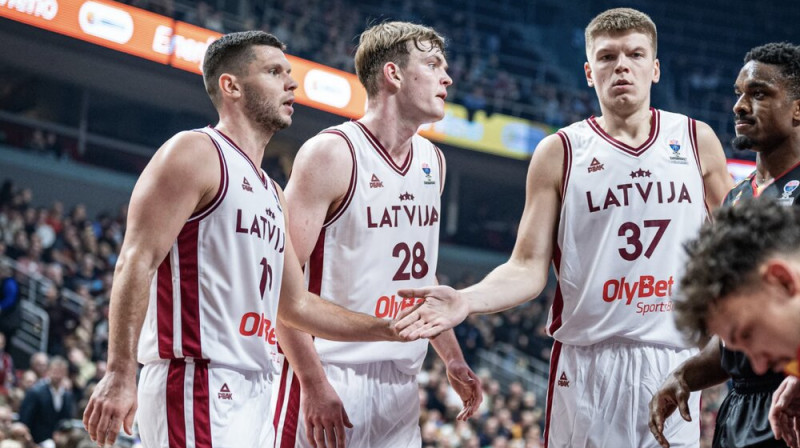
(384, 236)
(215, 295)
(625, 214)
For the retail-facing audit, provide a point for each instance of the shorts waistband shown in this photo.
(755, 385)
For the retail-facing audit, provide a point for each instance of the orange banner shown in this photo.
(179, 44)
(110, 24)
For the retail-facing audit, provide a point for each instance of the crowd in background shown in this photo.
(67, 250)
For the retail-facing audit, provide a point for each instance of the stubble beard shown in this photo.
(265, 113)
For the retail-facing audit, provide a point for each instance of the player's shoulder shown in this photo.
(188, 147)
(328, 150)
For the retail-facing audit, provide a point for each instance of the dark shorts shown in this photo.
(743, 418)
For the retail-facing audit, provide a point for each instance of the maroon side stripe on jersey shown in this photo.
(558, 299)
(401, 169)
(176, 422)
(567, 168)
(190, 294)
(348, 197)
(200, 404)
(164, 308)
(696, 152)
(289, 393)
(551, 387)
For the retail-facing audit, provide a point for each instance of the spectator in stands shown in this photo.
(48, 402)
(6, 419)
(7, 372)
(38, 364)
(10, 310)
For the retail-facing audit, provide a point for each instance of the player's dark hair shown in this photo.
(725, 257)
(784, 55)
(232, 53)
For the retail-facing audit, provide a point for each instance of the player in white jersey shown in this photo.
(608, 200)
(205, 262)
(365, 202)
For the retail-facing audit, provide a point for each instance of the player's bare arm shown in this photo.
(320, 178)
(516, 281)
(699, 372)
(716, 178)
(182, 177)
(302, 310)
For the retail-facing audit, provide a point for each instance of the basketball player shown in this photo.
(365, 201)
(742, 283)
(767, 115)
(204, 264)
(609, 200)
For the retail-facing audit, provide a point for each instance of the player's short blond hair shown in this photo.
(388, 42)
(620, 20)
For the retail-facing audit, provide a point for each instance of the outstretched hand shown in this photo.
(443, 309)
(467, 385)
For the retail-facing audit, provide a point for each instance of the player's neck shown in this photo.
(633, 128)
(779, 160)
(391, 130)
(247, 137)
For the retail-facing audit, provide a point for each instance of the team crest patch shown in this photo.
(786, 197)
(427, 170)
(676, 156)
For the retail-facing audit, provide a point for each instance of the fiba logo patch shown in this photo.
(787, 197)
(427, 170)
(676, 156)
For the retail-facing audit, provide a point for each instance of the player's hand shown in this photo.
(324, 415)
(784, 415)
(443, 309)
(113, 404)
(673, 394)
(467, 385)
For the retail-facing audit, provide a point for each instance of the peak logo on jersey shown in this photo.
(246, 185)
(640, 173)
(389, 306)
(645, 287)
(375, 182)
(595, 165)
(562, 380)
(676, 157)
(406, 196)
(427, 170)
(225, 393)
